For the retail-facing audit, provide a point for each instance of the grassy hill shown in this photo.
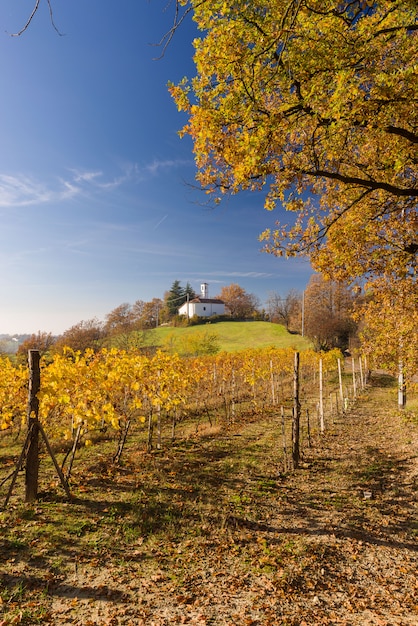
(233, 336)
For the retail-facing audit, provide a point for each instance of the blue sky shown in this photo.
(97, 205)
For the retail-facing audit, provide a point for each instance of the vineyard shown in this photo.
(200, 522)
(85, 398)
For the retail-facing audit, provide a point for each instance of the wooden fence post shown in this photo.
(360, 365)
(296, 414)
(401, 386)
(321, 397)
(285, 464)
(340, 382)
(308, 426)
(273, 395)
(32, 457)
(354, 379)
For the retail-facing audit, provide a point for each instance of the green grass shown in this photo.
(235, 336)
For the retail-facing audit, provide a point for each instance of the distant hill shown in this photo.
(234, 336)
(10, 343)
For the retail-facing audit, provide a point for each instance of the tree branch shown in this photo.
(177, 21)
(394, 29)
(367, 184)
(32, 15)
(402, 132)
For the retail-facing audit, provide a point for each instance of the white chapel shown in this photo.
(203, 306)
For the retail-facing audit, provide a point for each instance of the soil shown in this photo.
(231, 543)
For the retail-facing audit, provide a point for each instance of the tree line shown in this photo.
(323, 313)
(130, 325)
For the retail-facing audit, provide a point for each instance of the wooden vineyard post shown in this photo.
(331, 408)
(321, 397)
(360, 365)
(401, 386)
(308, 426)
(340, 383)
(284, 440)
(30, 450)
(366, 371)
(158, 409)
(354, 379)
(296, 414)
(32, 456)
(232, 411)
(150, 431)
(273, 395)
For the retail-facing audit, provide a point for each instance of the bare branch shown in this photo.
(177, 21)
(32, 15)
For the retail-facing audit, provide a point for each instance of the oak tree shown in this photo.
(119, 320)
(314, 103)
(154, 313)
(285, 310)
(82, 336)
(328, 310)
(239, 302)
(317, 102)
(41, 341)
(390, 325)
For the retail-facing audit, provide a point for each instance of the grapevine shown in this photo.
(109, 389)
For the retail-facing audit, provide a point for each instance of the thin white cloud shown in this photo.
(81, 177)
(20, 190)
(88, 180)
(242, 274)
(160, 221)
(131, 172)
(69, 190)
(157, 165)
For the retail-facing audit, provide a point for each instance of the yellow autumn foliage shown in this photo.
(316, 103)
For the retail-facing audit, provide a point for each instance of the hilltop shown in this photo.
(225, 336)
(233, 336)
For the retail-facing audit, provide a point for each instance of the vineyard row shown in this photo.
(107, 389)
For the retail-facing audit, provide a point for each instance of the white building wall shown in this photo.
(206, 309)
(202, 309)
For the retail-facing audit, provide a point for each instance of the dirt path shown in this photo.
(358, 505)
(236, 542)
